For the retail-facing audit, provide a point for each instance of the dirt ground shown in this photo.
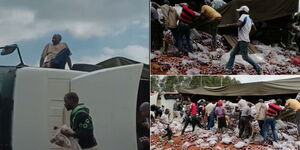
(157, 69)
(180, 140)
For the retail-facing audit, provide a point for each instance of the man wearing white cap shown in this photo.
(244, 25)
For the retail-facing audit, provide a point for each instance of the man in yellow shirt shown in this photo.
(213, 18)
(295, 106)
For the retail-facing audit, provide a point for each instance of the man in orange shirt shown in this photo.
(294, 104)
(213, 18)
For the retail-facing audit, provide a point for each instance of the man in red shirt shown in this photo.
(272, 112)
(192, 118)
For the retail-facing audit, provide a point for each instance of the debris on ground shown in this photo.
(272, 60)
(210, 139)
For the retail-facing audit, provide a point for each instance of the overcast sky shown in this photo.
(94, 30)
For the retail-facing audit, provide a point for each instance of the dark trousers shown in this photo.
(298, 121)
(211, 123)
(191, 120)
(298, 41)
(222, 122)
(270, 121)
(156, 35)
(169, 133)
(60, 59)
(214, 30)
(158, 113)
(184, 31)
(243, 47)
(261, 123)
(244, 127)
(174, 32)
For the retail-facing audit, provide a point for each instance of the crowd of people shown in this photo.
(199, 13)
(173, 21)
(180, 24)
(252, 119)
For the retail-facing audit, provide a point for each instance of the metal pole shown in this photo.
(201, 81)
(221, 81)
(20, 56)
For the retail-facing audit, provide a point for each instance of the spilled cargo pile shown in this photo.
(273, 60)
(209, 139)
(228, 140)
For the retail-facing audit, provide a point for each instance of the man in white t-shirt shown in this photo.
(166, 121)
(209, 110)
(244, 25)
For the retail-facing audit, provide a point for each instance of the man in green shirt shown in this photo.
(81, 122)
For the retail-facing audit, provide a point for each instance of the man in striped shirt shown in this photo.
(186, 18)
(272, 112)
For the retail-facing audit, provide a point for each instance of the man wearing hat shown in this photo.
(244, 25)
(220, 113)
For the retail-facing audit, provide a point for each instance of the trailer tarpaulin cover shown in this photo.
(260, 10)
(285, 86)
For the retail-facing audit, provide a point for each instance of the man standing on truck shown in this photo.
(81, 122)
(56, 54)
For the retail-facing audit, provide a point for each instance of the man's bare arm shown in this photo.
(254, 27)
(69, 63)
(234, 24)
(41, 61)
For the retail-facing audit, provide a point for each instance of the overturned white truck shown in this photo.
(31, 104)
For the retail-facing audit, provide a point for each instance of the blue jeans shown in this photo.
(241, 46)
(270, 122)
(60, 59)
(211, 122)
(184, 31)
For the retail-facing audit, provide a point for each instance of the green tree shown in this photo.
(230, 81)
(212, 81)
(196, 81)
(155, 84)
(169, 83)
(186, 82)
(172, 83)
